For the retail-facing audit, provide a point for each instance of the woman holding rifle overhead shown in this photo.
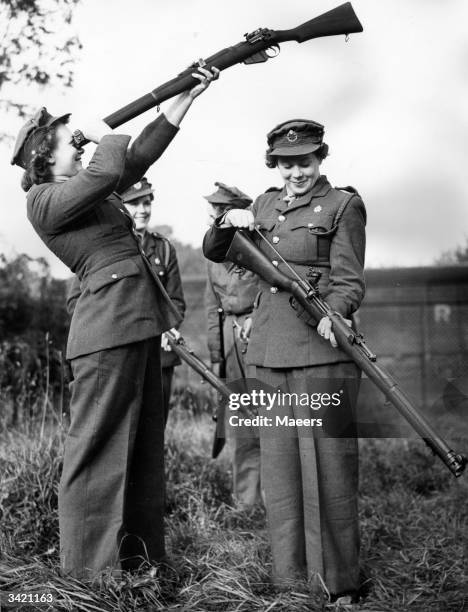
(111, 497)
(310, 477)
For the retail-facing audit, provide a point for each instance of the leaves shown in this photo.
(38, 45)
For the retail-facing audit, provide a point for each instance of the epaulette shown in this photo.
(160, 236)
(273, 189)
(349, 189)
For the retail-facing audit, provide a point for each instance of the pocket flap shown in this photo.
(321, 222)
(112, 273)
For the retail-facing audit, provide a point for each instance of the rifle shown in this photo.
(179, 346)
(219, 438)
(244, 252)
(257, 47)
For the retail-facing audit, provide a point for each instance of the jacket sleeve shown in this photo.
(174, 282)
(74, 293)
(217, 241)
(211, 306)
(347, 251)
(147, 148)
(54, 206)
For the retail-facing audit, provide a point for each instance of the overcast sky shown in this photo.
(393, 101)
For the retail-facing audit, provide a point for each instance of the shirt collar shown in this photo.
(321, 187)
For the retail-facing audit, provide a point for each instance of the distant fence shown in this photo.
(415, 319)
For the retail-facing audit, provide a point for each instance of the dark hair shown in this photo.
(38, 169)
(272, 160)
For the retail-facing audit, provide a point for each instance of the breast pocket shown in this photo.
(112, 274)
(310, 238)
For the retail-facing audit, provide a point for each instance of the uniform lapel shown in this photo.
(321, 188)
(280, 204)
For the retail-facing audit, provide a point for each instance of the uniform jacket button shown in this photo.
(161, 273)
(281, 218)
(275, 239)
(115, 275)
(157, 260)
(273, 289)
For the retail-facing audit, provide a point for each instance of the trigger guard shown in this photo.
(272, 51)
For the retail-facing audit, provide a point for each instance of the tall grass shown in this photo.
(414, 523)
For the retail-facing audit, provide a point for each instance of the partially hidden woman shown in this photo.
(111, 495)
(310, 482)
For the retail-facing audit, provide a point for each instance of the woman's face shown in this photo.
(299, 172)
(66, 158)
(140, 211)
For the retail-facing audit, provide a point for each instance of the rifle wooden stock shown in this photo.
(244, 252)
(341, 20)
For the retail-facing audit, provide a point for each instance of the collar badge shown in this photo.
(317, 208)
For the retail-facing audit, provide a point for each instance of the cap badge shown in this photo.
(317, 208)
(291, 136)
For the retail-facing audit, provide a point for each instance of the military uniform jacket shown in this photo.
(279, 338)
(83, 221)
(162, 256)
(234, 290)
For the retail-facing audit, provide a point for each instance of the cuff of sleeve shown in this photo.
(339, 306)
(219, 222)
(169, 125)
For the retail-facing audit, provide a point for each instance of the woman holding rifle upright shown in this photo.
(111, 497)
(310, 481)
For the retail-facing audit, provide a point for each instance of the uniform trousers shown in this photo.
(167, 375)
(111, 495)
(311, 485)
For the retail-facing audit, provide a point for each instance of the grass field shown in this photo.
(414, 525)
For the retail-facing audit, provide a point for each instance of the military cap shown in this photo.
(138, 190)
(32, 134)
(295, 137)
(225, 196)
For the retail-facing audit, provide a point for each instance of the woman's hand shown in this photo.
(324, 329)
(176, 112)
(95, 130)
(205, 77)
(246, 329)
(165, 346)
(239, 217)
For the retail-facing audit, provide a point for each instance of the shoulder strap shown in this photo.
(166, 247)
(350, 192)
(167, 252)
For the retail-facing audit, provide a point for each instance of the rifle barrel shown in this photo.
(180, 348)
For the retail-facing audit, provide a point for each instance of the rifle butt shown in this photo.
(341, 20)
